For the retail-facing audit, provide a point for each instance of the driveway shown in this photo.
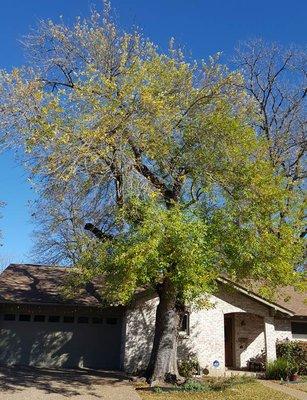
(42, 384)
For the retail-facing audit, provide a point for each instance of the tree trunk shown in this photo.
(163, 360)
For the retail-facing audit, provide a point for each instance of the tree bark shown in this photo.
(163, 361)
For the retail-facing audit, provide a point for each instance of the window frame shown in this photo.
(299, 336)
(54, 316)
(41, 318)
(72, 317)
(97, 320)
(24, 318)
(9, 319)
(83, 319)
(185, 331)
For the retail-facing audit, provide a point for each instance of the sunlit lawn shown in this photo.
(247, 391)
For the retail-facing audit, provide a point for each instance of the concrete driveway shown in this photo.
(42, 384)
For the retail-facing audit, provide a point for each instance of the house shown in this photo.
(40, 327)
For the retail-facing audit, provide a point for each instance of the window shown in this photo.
(97, 320)
(25, 317)
(111, 321)
(54, 318)
(299, 330)
(185, 324)
(69, 319)
(83, 320)
(9, 317)
(39, 318)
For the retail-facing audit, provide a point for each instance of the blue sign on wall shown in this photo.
(216, 363)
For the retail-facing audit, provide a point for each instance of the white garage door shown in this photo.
(60, 341)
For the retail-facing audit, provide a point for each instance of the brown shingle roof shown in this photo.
(286, 297)
(293, 300)
(25, 283)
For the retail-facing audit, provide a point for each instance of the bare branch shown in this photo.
(97, 232)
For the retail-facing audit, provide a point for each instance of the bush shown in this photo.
(294, 352)
(208, 385)
(280, 369)
(214, 384)
(194, 386)
(259, 360)
(157, 390)
(189, 367)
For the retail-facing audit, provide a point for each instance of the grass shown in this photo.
(245, 391)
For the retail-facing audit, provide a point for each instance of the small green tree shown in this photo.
(184, 180)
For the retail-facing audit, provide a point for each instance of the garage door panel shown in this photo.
(64, 345)
(9, 347)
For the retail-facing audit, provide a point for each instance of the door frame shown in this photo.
(231, 326)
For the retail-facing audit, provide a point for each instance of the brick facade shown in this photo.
(249, 338)
(139, 327)
(255, 330)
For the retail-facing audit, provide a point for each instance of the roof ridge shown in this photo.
(37, 265)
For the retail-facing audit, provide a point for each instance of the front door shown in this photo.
(228, 326)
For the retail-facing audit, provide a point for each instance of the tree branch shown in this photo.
(144, 170)
(97, 232)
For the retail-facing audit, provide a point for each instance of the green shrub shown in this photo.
(214, 384)
(194, 386)
(189, 367)
(210, 385)
(293, 352)
(280, 369)
(157, 390)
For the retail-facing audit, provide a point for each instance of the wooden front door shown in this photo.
(228, 326)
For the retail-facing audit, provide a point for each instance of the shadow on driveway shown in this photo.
(66, 383)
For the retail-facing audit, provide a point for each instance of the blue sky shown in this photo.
(203, 27)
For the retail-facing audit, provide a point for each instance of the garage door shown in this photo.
(60, 341)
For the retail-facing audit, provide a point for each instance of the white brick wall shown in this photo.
(140, 323)
(206, 339)
(249, 338)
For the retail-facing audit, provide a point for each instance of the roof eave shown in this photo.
(256, 297)
(34, 303)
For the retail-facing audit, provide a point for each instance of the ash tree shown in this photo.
(163, 159)
(275, 78)
(60, 218)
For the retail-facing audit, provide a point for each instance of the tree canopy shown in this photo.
(106, 111)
